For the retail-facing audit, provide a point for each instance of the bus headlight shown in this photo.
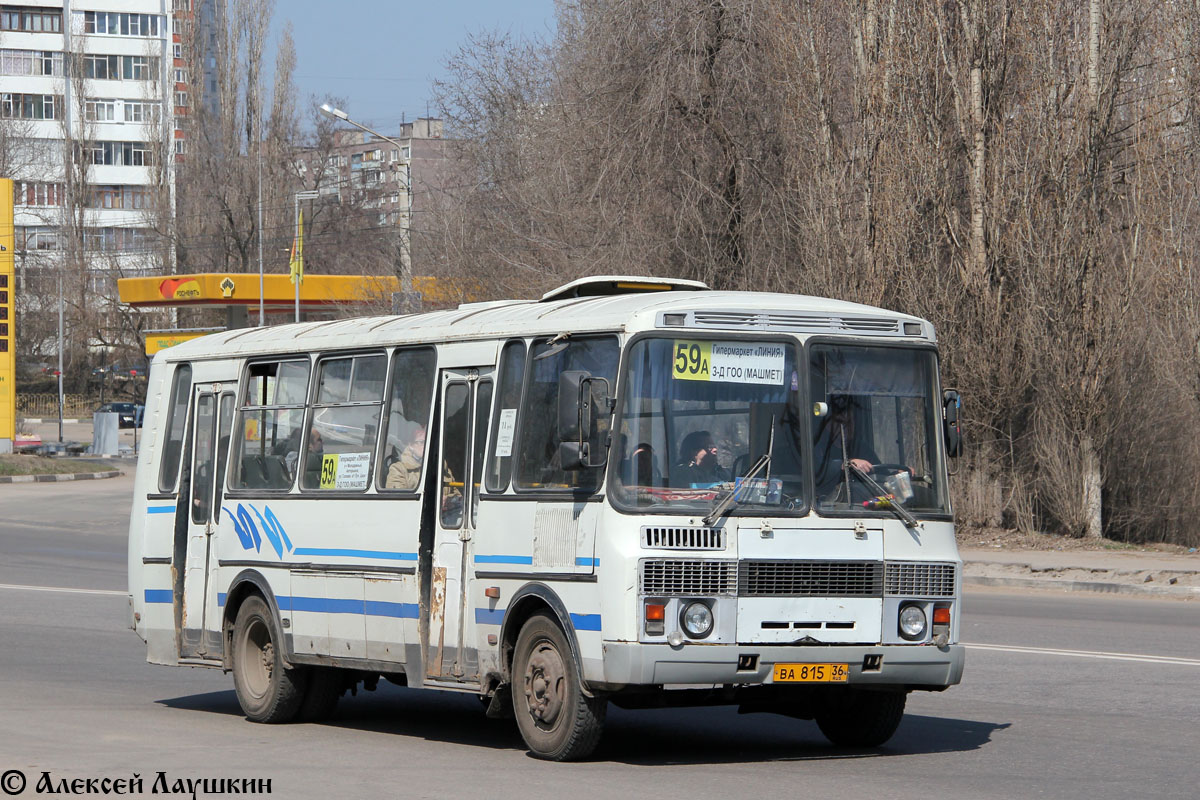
(912, 622)
(696, 619)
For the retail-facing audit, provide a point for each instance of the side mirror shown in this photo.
(580, 396)
(574, 408)
(951, 429)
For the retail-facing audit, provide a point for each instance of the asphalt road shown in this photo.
(1064, 696)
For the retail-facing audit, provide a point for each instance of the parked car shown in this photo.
(130, 414)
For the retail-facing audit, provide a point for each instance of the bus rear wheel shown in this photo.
(557, 720)
(861, 718)
(266, 689)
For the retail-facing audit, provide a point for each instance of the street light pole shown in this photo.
(298, 252)
(406, 282)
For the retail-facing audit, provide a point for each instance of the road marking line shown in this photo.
(1175, 660)
(63, 589)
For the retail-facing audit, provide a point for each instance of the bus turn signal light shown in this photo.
(941, 616)
(656, 615)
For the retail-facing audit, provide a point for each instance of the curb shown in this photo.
(69, 476)
(1177, 592)
(48, 420)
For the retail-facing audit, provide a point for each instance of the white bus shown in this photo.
(633, 491)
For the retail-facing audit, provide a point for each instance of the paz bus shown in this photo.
(633, 491)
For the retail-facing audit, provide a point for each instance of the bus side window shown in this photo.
(343, 423)
(402, 447)
(537, 456)
(181, 391)
(504, 426)
(268, 435)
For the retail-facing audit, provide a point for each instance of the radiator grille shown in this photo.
(919, 579)
(810, 579)
(684, 538)
(676, 577)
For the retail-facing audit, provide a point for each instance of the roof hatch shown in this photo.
(606, 285)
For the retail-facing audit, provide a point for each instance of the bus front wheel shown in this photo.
(861, 718)
(266, 689)
(557, 721)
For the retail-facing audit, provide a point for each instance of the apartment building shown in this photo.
(87, 96)
(389, 180)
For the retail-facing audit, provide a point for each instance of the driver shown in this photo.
(698, 465)
(836, 437)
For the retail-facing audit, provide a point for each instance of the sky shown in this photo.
(382, 56)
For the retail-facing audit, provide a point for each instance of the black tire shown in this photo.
(266, 689)
(860, 718)
(325, 687)
(557, 721)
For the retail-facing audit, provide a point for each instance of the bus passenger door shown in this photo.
(213, 416)
(465, 408)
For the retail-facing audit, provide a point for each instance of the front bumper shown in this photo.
(914, 666)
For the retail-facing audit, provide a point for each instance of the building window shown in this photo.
(29, 106)
(181, 99)
(180, 147)
(38, 237)
(117, 24)
(178, 49)
(180, 75)
(99, 110)
(116, 68)
(31, 62)
(32, 20)
(141, 111)
(119, 197)
(119, 154)
(37, 194)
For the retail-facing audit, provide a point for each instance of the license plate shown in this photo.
(810, 673)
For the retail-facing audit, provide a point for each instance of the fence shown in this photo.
(45, 406)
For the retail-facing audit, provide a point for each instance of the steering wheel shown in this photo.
(887, 470)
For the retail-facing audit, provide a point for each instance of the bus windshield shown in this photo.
(874, 409)
(698, 415)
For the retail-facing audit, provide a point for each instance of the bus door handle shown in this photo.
(464, 534)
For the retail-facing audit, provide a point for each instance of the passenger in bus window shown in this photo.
(641, 468)
(312, 461)
(699, 466)
(405, 471)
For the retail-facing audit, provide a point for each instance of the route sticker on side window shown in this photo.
(729, 362)
(345, 471)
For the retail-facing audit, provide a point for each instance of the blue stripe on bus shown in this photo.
(489, 616)
(586, 622)
(160, 509)
(504, 560)
(336, 605)
(221, 597)
(159, 595)
(380, 554)
(587, 562)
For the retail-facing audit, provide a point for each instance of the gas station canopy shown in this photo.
(222, 290)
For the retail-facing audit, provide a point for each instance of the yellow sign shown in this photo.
(329, 471)
(161, 341)
(8, 322)
(691, 360)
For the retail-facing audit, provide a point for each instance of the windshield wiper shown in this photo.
(730, 498)
(884, 498)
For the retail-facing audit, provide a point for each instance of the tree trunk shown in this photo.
(1094, 528)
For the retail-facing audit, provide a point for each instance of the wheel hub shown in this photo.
(545, 678)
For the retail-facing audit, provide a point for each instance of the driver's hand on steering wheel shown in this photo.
(861, 464)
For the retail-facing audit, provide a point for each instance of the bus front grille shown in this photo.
(677, 577)
(810, 579)
(683, 538)
(919, 579)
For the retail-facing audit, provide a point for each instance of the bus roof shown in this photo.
(694, 313)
